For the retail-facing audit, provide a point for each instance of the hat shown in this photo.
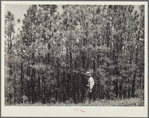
(88, 74)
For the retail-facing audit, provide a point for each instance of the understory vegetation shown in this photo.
(102, 102)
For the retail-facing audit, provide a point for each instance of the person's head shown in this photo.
(88, 74)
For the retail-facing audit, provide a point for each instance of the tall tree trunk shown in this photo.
(118, 96)
(122, 90)
(21, 75)
(77, 89)
(28, 83)
(39, 91)
(71, 86)
(32, 94)
(63, 87)
(68, 89)
(98, 88)
(43, 89)
(58, 85)
(133, 85)
(14, 83)
(33, 85)
(82, 85)
(76, 78)
(22, 79)
(128, 88)
(32, 79)
(94, 66)
(134, 77)
(67, 71)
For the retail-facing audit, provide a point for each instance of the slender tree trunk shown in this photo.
(133, 85)
(28, 83)
(67, 73)
(134, 77)
(71, 86)
(32, 87)
(98, 87)
(32, 79)
(68, 89)
(39, 91)
(94, 67)
(58, 85)
(76, 91)
(140, 83)
(128, 88)
(14, 83)
(118, 89)
(88, 61)
(22, 79)
(83, 59)
(122, 90)
(43, 89)
(98, 61)
(82, 85)
(63, 87)
(21, 76)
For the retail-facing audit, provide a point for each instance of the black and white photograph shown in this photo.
(64, 55)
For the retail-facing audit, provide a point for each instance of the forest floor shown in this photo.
(102, 102)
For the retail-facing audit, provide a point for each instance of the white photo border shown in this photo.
(65, 111)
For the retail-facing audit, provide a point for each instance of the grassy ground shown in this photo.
(125, 102)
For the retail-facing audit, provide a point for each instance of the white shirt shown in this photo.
(91, 82)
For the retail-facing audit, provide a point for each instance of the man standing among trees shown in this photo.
(90, 86)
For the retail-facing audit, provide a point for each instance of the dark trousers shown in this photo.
(89, 94)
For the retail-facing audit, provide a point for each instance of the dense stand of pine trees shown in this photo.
(46, 60)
